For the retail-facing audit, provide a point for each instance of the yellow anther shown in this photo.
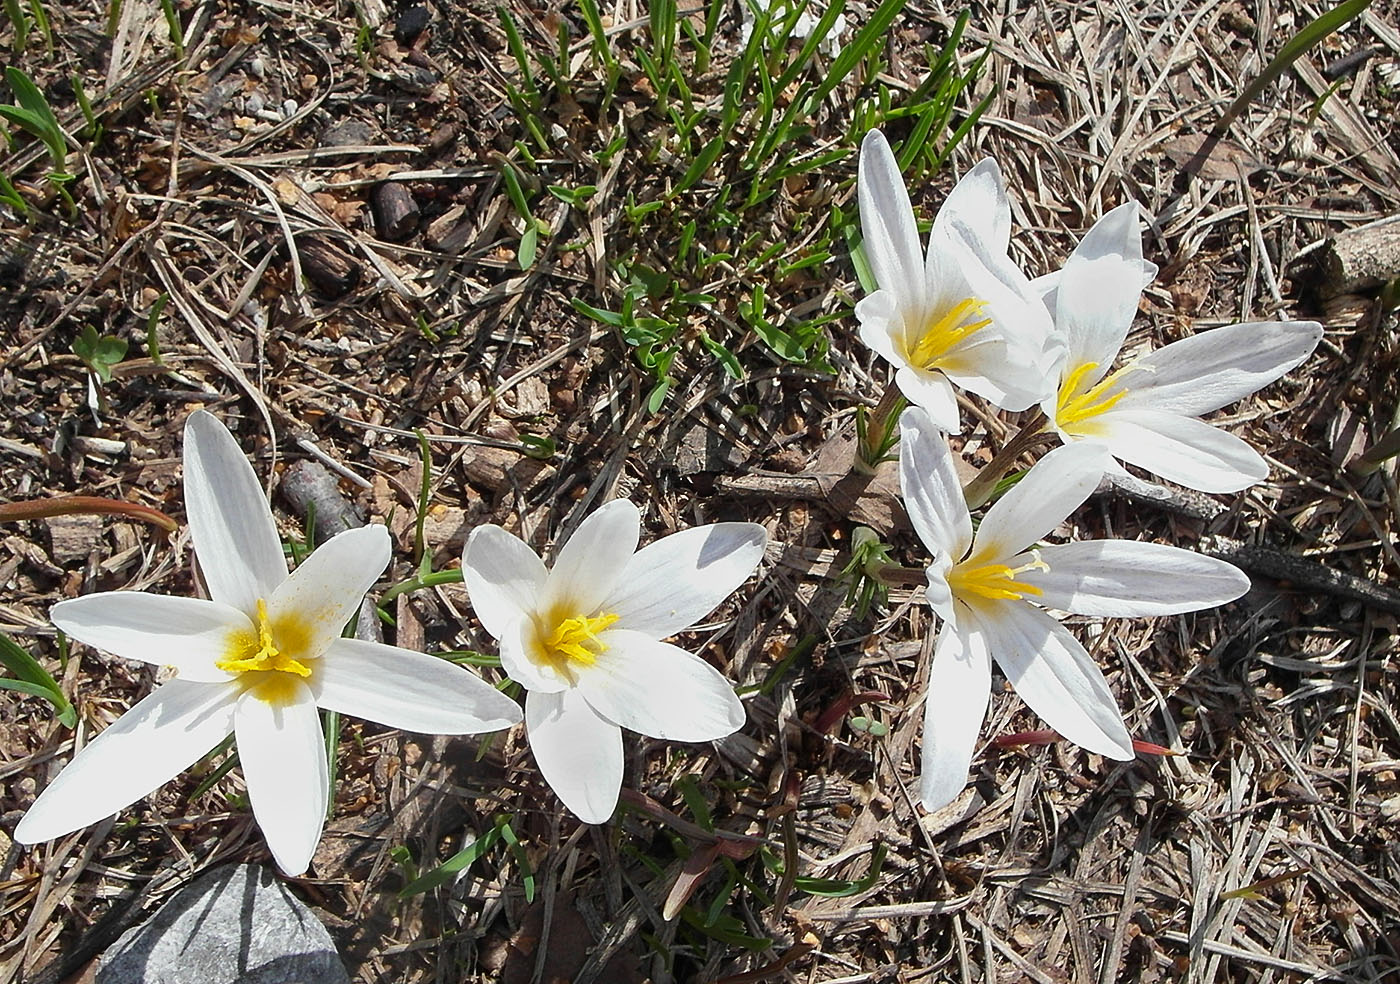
(995, 582)
(1073, 407)
(247, 653)
(576, 639)
(940, 334)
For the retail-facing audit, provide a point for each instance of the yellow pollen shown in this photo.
(941, 334)
(995, 582)
(1073, 407)
(247, 653)
(576, 639)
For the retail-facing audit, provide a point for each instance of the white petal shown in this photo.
(880, 325)
(979, 203)
(590, 564)
(1003, 361)
(283, 754)
(326, 589)
(400, 688)
(579, 753)
(146, 747)
(190, 634)
(891, 237)
(939, 594)
(928, 480)
(673, 583)
(1055, 487)
(1184, 450)
(1055, 677)
(1207, 371)
(659, 690)
(1012, 375)
(1128, 578)
(1046, 287)
(1099, 289)
(959, 684)
(235, 538)
(932, 392)
(518, 644)
(503, 576)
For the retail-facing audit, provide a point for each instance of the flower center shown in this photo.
(1074, 407)
(995, 582)
(259, 654)
(941, 333)
(575, 640)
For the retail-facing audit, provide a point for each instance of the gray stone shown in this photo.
(235, 925)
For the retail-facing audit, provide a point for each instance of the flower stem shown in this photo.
(451, 576)
(1032, 433)
(875, 433)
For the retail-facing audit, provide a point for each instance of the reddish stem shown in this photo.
(68, 505)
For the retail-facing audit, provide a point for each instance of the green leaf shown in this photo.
(527, 873)
(99, 352)
(707, 156)
(446, 871)
(34, 679)
(830, 888)
(725, 357)
(28, 96)
(610, 318)
(528, 243)
(1306, 38)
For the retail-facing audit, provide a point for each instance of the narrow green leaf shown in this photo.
(34, 679)
(707, 156)
(1306, 38)
(446, 871)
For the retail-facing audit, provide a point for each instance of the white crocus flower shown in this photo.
(584, 639)
(961, 314)
(991, 589)
(256, 661)
(1147, 411)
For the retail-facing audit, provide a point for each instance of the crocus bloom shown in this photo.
(1148, 410)
(584, 639)
(257, 661)
(964, 313)
(990, 590)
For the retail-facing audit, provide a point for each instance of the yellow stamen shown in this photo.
(941, 334)
(248, 653)
(995, 582)
(1073, 407)
(576, 639)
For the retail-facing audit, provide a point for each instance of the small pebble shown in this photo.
(254, 103)
(258, 67)
(290, 107)
(411, 23)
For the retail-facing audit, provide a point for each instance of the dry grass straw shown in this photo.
(1263, 851)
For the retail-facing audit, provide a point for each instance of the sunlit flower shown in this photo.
(991, 589)
(257, 661)
(583, 639)
(961, 314)
(1147, 411)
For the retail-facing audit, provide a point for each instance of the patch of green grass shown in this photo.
(720, 168)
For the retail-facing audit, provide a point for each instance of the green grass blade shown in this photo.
(707, 156)
(809, 47)
(30, 99)
(33, 679)
(446, 871)
(517, 49)
(870, 37)
(16, 15)
(1306, 38)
